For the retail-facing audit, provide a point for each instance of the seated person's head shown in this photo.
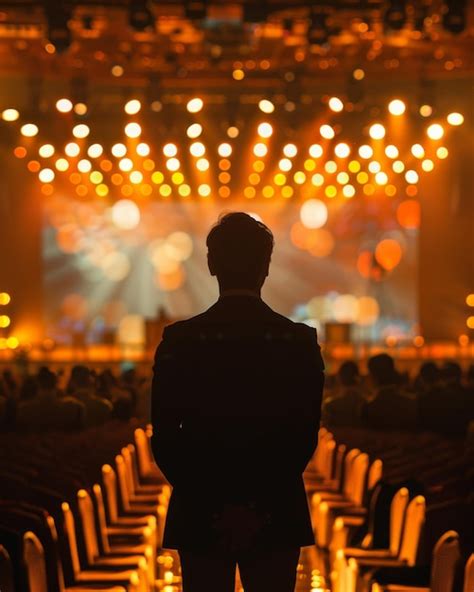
(382, 370)
(348, 373)
(81, 377)
(239, 252)
(429, 373)
(47, 380)
(451, 373)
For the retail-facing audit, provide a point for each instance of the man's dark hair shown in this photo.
(348, 373)
(382, 369)
(239, 251)
(81, 377)
(46, 379)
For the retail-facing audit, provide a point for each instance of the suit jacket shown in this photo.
(236, 403)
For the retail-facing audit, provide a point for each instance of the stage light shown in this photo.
(285, 165)
(409, 214)
(125, 164)
(5, 298)
(427, 165)
(469, 300)
(249, 192)
(133, 130)
(132, 107)
(398, 166)
(342, 150)
(342, 178)
(46, 175)
(64, 105)
(224, 150)
(10, 115)
(287, 191)
(125, 214)
(254, 179)
(417, 150)
(95, 150)
(106, 165)
(426, 110)
(194, 131)
(260, 150)
(157, 178)
(156, 106)
(233, 132)
(411, 177)
(330, 191)
(184, 190)
(365, 151)
(435, 131)
(12, 342)
(173, 164)
(381, 178)
(315, 151)
(388, 253)
(266, 106)
(80, 108)
(377, 131)
(96, 177)
(72, 149)
(20, 152)
(84, 166)
(313, 213)
(374, 166)
(391, 151)
(119, 150)
(290, 150)
(238, 74)
(265, 130)
(335, 104)
(348, 191)
(197, 149)
(358, 74)
(470, 322)
(268, 191)
(204, 190)
(442, 152)
(202, 164)
(80, 131)
(362, 177)
(317, 180)
(397, 107)
(279, 179)
(136, 177)
(117, 71)
(29, 130)
(170, 150)
(195, 105)
(345, 308)
(368, 311)
(330, 167)
(327, 132)
(224, 164)
(455, 119)
(299, 178)
(258, 166)
(46, 150)
(143, 149)
(4, 321)
(224, 178)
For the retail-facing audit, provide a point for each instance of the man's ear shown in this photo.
(210, 265)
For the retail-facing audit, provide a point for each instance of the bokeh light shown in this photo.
(388, 253)
(125, 214)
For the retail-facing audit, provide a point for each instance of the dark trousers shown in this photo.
(259, 571)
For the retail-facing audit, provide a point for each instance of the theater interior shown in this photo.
(127, 128)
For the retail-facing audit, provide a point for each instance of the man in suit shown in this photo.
(236, 401)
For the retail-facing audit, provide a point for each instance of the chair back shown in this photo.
(129, 477)
(327, 465)
(70, 531)
(89, 532)
(469, 575)
(109, 480)
(359, 478)
(398, 508)
(6, 571)
(414, 521)
(145, 459)
(33, 558)
(101, 517)
(122, 482)
(339, 464)
(54, 536)
(375, 474)
(446, 556)
(348, 471)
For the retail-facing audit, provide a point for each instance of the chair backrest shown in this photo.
(129, 477)
(348, 471)
(414, 521)
(70, 531)
(109, 480)
(375, 474)
(328, 459)
(359, 478)
(318, 460)
(122, 481)
(101, 517)
(145, 459)
(398, 508)
(339, 464)
(6, 571)
(86, 514)
(469, 575)
(54, 536)
(446, 555)
(33, 558)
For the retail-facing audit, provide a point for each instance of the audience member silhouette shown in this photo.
(45, 410)
(81, 386)
(236, 410)
(388, 407)
(344, 407)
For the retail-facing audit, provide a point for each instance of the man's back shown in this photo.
(236, 404)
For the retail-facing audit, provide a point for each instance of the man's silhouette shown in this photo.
(236, 411)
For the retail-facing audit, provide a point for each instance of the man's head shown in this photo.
(81, 377)
(348, 373)
(239, 252)
(382, 370)
(46, 379)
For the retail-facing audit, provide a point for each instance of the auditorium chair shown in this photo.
(340, 537)
(446, 556)
(146, 492)
(469, 573)
(6, 571)
(344, 574)
(105, 558)
(134, 580)
(147, 468)
(34, 560)
(338, 489)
